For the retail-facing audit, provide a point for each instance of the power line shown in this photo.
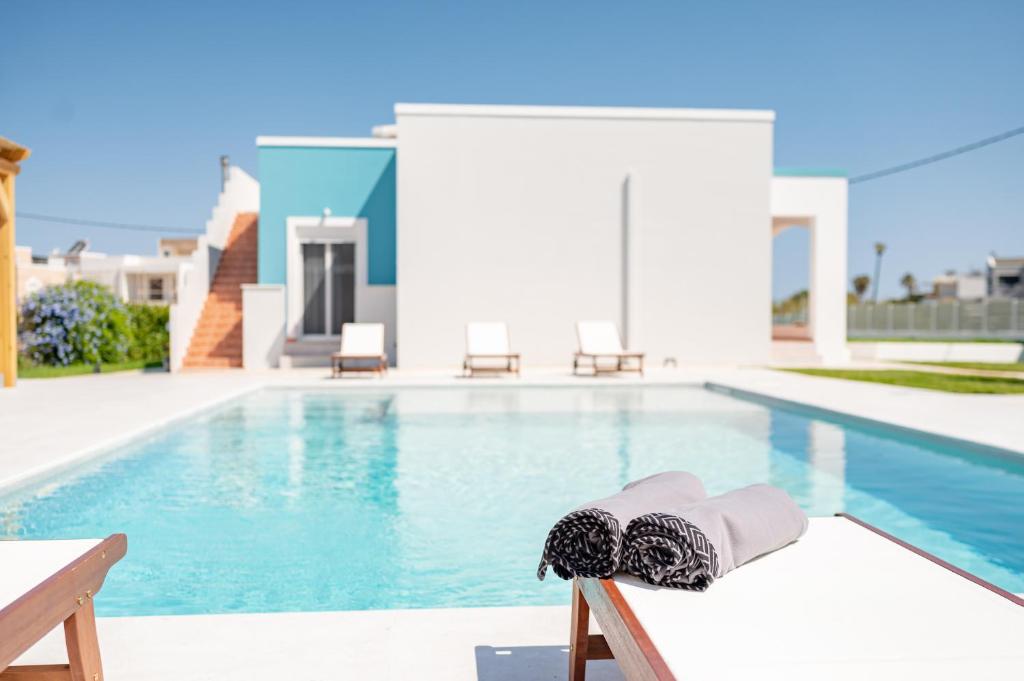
(866, 177)
(937, 157)
(109, 225)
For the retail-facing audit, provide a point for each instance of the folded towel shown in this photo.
(688, 546)
(588, 541)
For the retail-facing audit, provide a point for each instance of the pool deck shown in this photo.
(49, 425)
(456, 644)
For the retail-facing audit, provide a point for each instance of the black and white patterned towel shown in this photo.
(689, 546)
(588, 541)
(666, 550)
(585, 543)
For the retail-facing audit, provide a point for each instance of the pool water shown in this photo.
(288, 500)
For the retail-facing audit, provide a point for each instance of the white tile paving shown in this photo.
(457, 644)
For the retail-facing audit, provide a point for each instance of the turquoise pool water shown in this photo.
(323, 500)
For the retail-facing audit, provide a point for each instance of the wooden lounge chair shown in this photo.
(846, 601)
(488, 349)
(362, 349)
(601, 350)
(44, 583)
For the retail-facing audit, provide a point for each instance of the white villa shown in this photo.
(535, 216)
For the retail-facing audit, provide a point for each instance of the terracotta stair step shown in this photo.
(216, 348)
(204, 344)
(216, 342)
(213, 363)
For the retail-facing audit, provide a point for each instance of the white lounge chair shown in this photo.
(362, 349)
(44, 584)
(600, 341)
(846, 601)
(488, 349)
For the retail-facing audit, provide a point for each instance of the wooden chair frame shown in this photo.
(626, 641)
(65, 596)
(378, 365)
(511, 364)
(625, 361)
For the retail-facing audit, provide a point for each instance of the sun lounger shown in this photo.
(601, 349)
(362, 349)
(488, 349)
(847, 601)
(44, 583)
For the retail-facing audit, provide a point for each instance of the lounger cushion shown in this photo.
(599, 338)
(362, 340)
(487, 338)
(842, 603)
(24, 564)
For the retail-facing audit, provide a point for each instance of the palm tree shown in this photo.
(879, 250)
(860, 285)
(910, 283)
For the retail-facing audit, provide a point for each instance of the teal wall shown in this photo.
(352, 182)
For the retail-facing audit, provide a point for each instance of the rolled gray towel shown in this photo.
(587, 542)
(688, 546)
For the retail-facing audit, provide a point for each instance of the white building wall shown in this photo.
(820, 204)
(263, 325)
(525, 215)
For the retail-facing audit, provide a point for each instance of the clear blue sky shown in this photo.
(128, 105)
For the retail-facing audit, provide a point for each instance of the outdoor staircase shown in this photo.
(217, 340)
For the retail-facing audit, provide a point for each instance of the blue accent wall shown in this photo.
(352, 182)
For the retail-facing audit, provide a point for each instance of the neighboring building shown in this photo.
(540, 217)
(134, 278)
(953, 286)
(1005, 277)
(167, 248)
(33, 273)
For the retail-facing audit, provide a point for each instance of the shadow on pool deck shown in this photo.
(536, 663)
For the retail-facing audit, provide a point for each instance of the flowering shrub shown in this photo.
(77, 322)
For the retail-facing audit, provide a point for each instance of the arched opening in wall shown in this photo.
(791, 280)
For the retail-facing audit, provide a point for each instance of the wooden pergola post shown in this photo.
(11, 155)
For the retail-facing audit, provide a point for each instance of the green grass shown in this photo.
(82, 369)
(985, 366)
(912, 339)
(952, 383)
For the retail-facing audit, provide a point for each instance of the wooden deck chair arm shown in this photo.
(58, 597)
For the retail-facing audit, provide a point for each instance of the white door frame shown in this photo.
(301, 229)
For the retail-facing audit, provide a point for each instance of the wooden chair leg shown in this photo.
(579, 639)
(83, 644)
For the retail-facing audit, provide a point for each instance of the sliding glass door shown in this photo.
(329, 287)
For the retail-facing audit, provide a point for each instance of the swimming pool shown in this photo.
(291, 500)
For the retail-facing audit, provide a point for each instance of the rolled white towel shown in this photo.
(587, 542)
(689, 546)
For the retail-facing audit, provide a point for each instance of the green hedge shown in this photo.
(150, 338)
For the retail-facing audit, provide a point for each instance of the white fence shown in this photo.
(993, 318)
